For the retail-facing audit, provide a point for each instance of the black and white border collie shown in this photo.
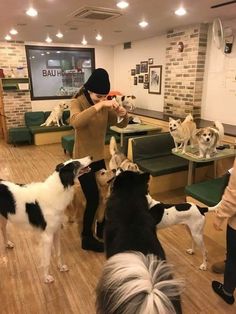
(130, 229)
(41, 205)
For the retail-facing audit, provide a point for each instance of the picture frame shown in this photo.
(133, 72)
(140, 78)
(146, 78)
(150, 61)
(145, 85)
(144, 67)
(135, 80)
(137, 68)
(155, 78)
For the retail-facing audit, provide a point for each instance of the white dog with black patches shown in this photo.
(189, 214)
(41, 205)
(56, 116)
(128, 102)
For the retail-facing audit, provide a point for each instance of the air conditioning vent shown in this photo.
(90, 13)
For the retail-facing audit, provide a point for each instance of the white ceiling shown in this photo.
(54, 14)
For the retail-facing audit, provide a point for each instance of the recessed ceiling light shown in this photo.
(143, 24)
(99, 37)
(33, 57)
(58, 52)
(59, 35)
(48, 53)
(13, 31)
(32, 12)
(48, 39)
(180, 11)
(42, 54)
(84, 41)
(122, 4)
(8, 37)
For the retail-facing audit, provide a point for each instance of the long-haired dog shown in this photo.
(130, 227)
(118, 159)
(41, 205)
(56, 115)
(128, 102)
(208, 138)
(182, 132)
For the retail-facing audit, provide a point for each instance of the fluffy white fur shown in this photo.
(55, 117)
(182, 132)
(53, 197)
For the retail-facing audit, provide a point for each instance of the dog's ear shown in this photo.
(170, 119)
(59, 167)
(178, 121)
(133, 97)
(122, 98)
(198, 133)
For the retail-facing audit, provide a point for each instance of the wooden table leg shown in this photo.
(190, 172)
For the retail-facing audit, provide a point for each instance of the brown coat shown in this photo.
(90, 127)
(227, 206)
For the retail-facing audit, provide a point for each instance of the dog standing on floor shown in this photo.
(56, 116)
(41, 205)
(182, 132)
(131, 230)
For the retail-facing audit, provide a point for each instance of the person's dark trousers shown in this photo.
(230, 265)
(89, 186)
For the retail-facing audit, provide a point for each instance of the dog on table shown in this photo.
(41, 206)
(182, 132)
(118, 159)
(56, 115)
(130, 241)
(189, 214)
(209, 138)
(128, 102)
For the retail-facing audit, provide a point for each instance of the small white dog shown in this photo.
(208, 138)
(56, 116)
(189, 214)
(128, 102)
(182, 132)
(41, 205)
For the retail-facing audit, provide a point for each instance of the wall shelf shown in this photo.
(19, 84)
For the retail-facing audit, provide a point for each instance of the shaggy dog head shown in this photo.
(70, 170)
(208, 136)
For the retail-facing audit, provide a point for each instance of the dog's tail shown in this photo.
(113, 146)
(219, 126)
(189, 117)
(142, 279)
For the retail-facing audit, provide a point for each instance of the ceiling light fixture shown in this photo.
(13, 31)
(180, 11)
(122, 4)
(59, 35)
(8, 37)
(99, 37)
(84, 41)
(143, 24)
(48, 40)
(32, 12)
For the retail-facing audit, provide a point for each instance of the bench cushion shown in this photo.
(34, 118)
(45, 129)
(20, 134)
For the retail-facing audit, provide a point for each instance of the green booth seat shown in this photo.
(19, 135)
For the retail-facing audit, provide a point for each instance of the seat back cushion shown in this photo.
(34, 118)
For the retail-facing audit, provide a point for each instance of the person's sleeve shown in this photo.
(79, 118)
(112, 119)
(227, 207)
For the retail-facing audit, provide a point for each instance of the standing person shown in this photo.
(91, 114)
(226, 209)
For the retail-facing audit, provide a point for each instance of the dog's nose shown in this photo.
(208, 139)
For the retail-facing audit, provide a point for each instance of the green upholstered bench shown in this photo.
(208, 192)
(19, 135)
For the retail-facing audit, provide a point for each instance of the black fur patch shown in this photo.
(202, 210)
(67, 173)
(7, 201)
(35, 215)
(122, 98)
(157, 212)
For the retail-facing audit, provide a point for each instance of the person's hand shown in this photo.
(217, 222)
(120, 111)
(104, 103)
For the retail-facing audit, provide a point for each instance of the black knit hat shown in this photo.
(98, 82)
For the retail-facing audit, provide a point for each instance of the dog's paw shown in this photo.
(63, 268)
(48, 279)
(10, 245)
(175, 150)
(190, 251)
(203, 266)
(208, 156)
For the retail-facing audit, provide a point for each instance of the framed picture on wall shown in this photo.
(155, 73)
(135, 80)
(150, 61)
(137, 68)
(133, 72)
(145, 85)
(143, 66)
(146, 78)
(140, 78)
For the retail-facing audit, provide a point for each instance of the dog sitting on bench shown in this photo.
(56, 115)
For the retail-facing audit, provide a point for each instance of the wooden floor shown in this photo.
(21, 287)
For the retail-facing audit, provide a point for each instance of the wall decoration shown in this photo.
(150, 61)
(140, 78)
(155, 73)
(143, 66)
(135, 80)
(146, 78)
(133, 72)
(145, 85)
(137, 68)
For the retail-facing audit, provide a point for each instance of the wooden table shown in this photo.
(192, 156)
(134, 128)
